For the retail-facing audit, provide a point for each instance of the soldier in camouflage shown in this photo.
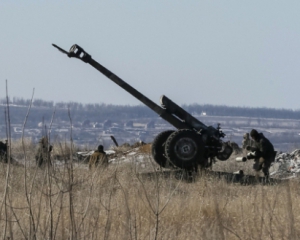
(263, 153)
(43, 153)
(99, 157)
(246, 141)
(3, 152)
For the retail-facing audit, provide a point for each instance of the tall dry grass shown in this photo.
(68, 201)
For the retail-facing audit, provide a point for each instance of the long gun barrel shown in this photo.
(193, 143)
(78, 52)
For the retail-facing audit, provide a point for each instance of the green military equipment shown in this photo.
(192, 144)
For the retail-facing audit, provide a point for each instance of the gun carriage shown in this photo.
(193, 144)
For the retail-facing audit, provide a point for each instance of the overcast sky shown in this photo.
(235, 53)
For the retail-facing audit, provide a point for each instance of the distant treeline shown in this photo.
(222, 110)
(102, 111)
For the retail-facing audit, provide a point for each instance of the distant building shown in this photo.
(107, 124)
(150, 124)
(86, 123)
(116, 130)
(115, 125)
(97, 125)
(129, 124)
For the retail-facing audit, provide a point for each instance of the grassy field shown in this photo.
(68, 201)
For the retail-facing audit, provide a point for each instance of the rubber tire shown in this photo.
(185, 149)
(158, 148)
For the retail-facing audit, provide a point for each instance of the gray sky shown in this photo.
(235, 53)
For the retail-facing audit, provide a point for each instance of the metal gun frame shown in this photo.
(193, 144)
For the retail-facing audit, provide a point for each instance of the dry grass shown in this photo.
(70, 202)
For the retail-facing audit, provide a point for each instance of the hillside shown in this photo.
(95, 123)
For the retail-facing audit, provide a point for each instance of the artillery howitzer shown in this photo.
(193, 144)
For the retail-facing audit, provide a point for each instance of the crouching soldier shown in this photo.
(262, 152)
(43, 153)
(99, 157)
(3, 151)
(246, 141)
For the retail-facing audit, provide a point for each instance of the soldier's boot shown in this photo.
(256, 181)
(267, 176)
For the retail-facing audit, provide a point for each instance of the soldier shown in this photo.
(3, 151)
(246, 141)
(263, 153)
(43, 152)
(98, 157)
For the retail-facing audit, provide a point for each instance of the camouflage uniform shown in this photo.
(3, 152)
(246, 141)
(265, 153)
(98, 157)
(43, 153)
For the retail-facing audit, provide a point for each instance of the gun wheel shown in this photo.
(185, 149)
(158, 148)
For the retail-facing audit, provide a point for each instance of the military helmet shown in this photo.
(254, 133)
(100, 148)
